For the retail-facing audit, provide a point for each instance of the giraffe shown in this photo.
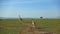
(20, 19)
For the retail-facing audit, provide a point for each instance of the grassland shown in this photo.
(53, 25)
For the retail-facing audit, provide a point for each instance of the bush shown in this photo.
(0, 19)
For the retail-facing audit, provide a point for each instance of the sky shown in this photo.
(29, 8)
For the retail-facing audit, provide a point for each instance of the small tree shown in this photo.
(41, 17)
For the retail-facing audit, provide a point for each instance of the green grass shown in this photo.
(53, 25)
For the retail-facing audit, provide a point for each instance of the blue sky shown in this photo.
(29, 8)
